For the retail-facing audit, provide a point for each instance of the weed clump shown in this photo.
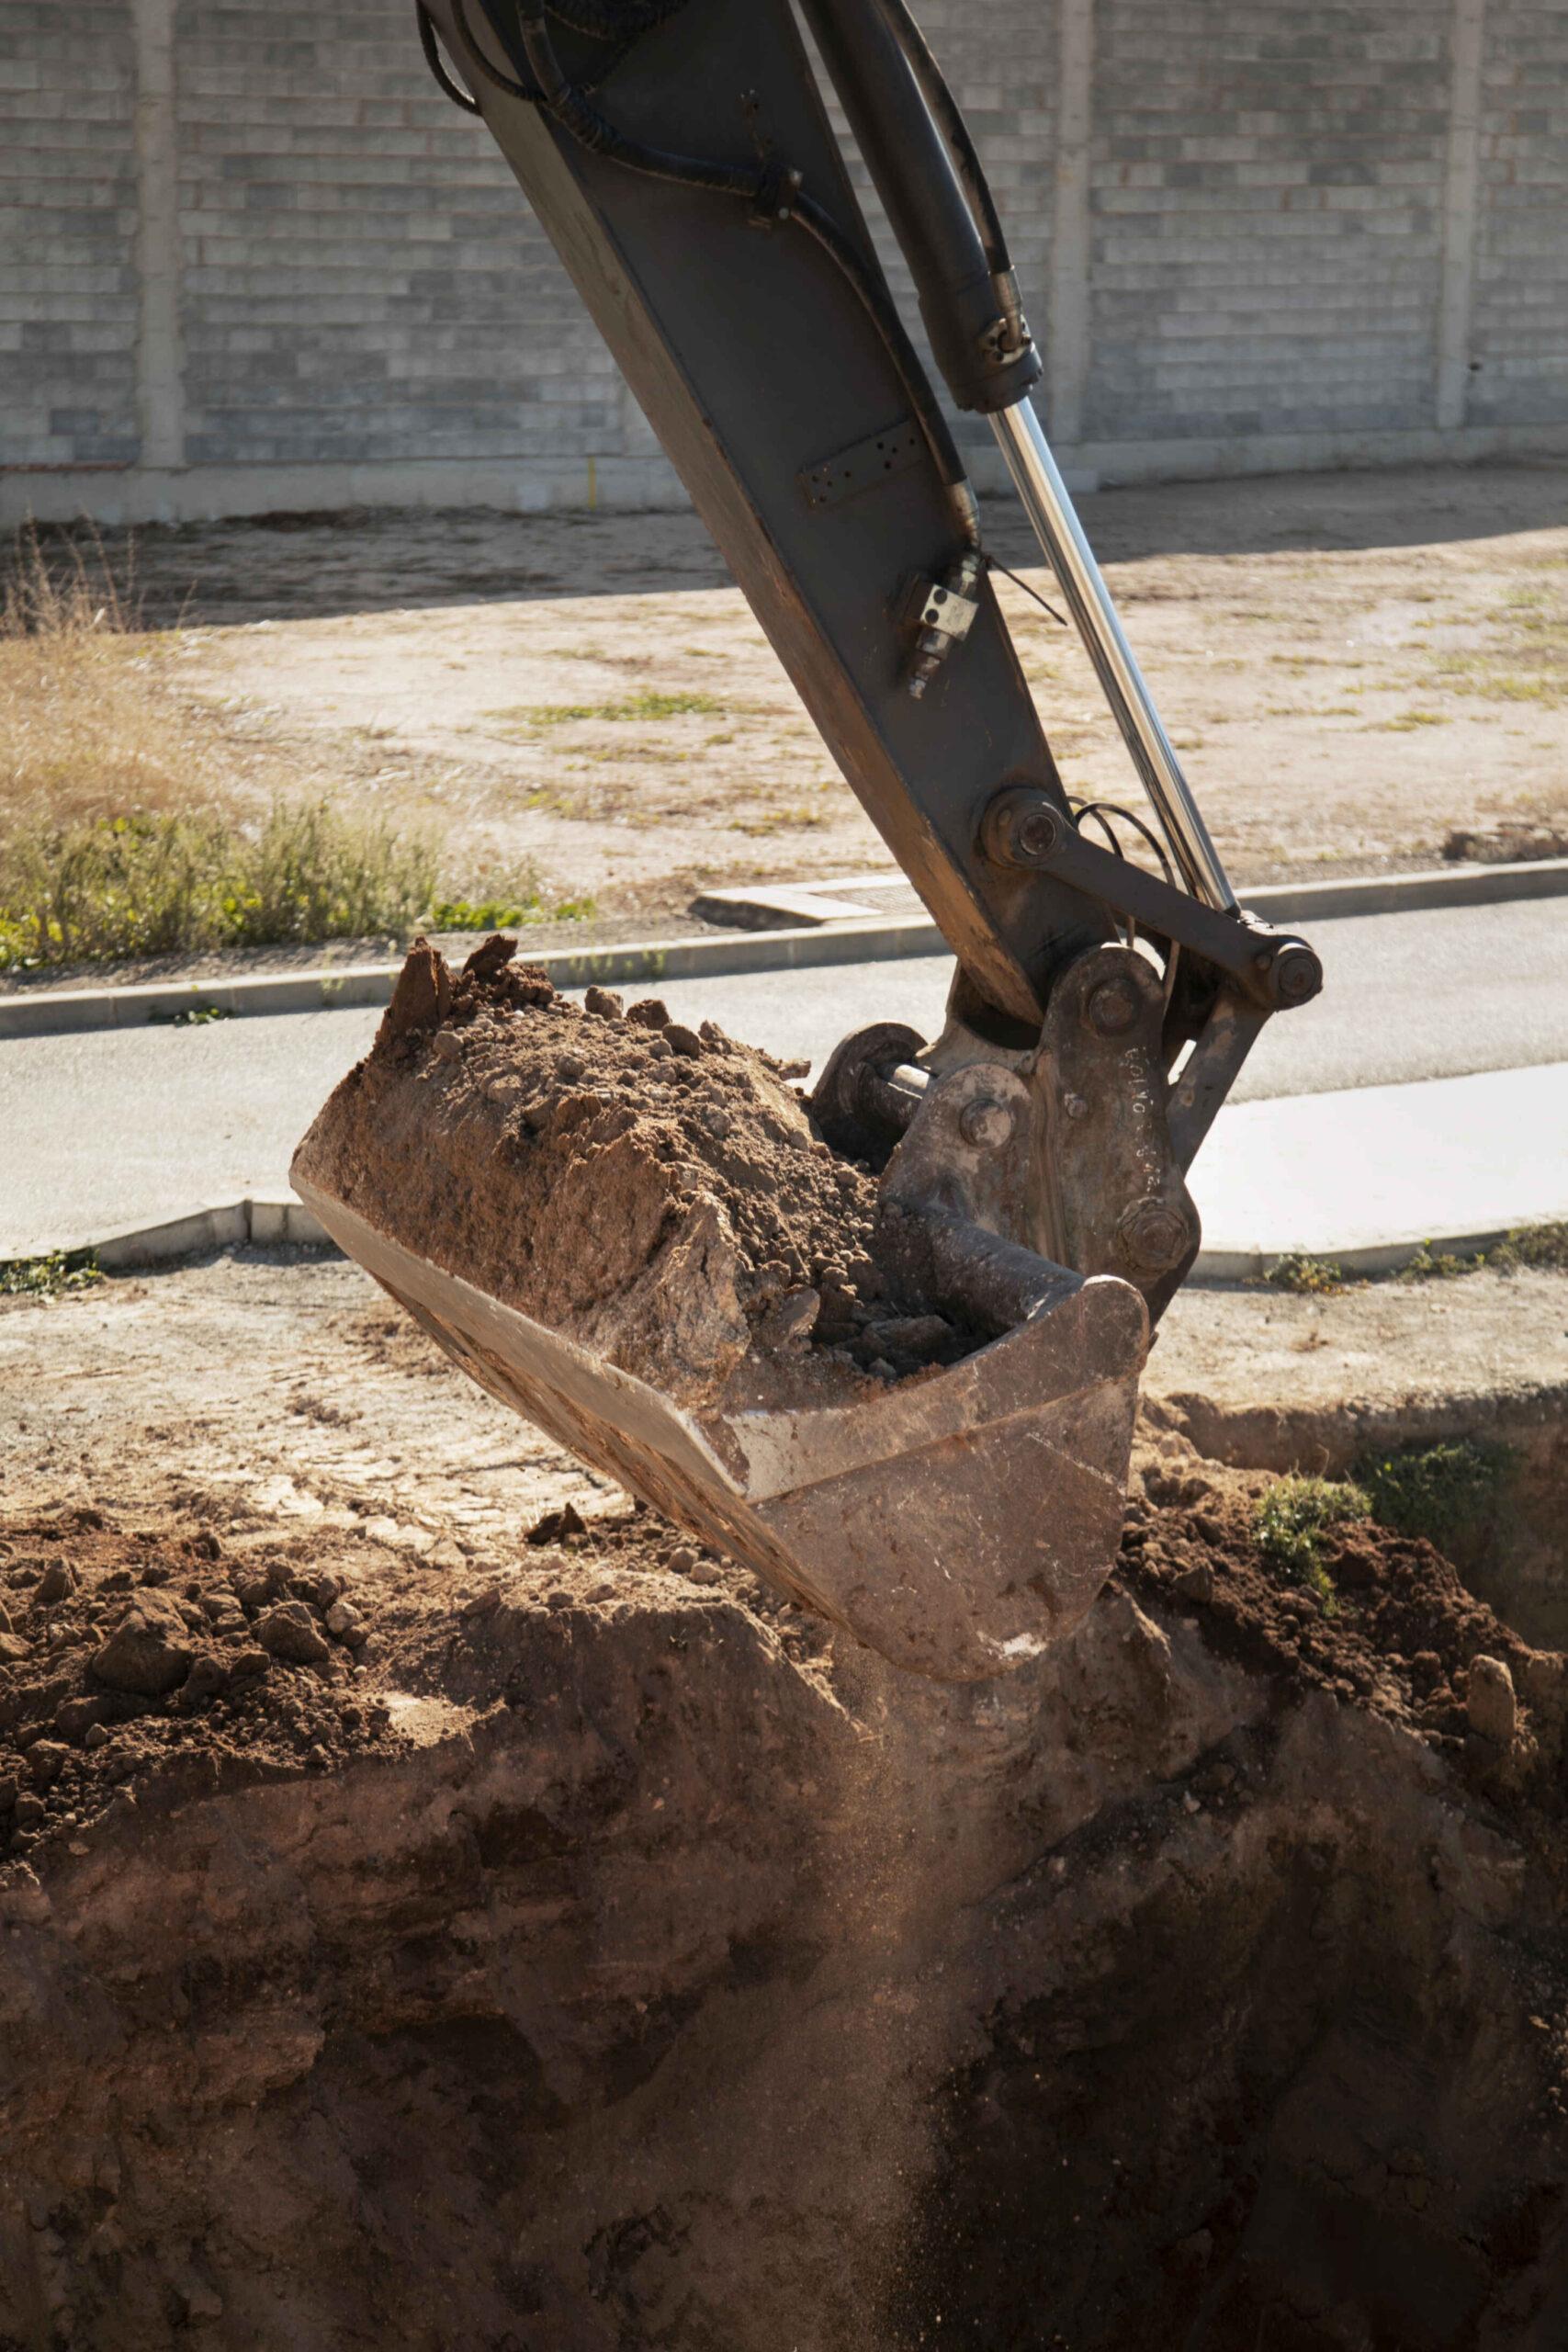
(1538, 1246)
(155, 883)
(46, 1277)
(1290, 1521)
(1303, 1276)
(1442, 1492)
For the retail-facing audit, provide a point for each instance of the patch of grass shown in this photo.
(1290, 1521)
(193, 1016)
(1408, 721)
(1543, 1245)
(1430, 1265)
(1304, 1277)
(155, 883)
(1537, 1246)
(650, 704)
(46, 1277)
(1437, 1491)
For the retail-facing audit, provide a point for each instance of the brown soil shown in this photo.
(269, 1654)
(1398, 1633)
(646, 1968)
(643, 1968)
(658, 1195)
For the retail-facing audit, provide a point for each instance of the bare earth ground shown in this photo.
(420, 1935)
(1357, 666)
(282, 1384)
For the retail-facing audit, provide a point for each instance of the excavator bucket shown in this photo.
(958, 1524)
(958, 1518)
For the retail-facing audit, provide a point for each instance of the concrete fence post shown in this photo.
(160, 386)
(1461, 177)
(1066, 326)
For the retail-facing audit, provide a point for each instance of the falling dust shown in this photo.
(582, 1950)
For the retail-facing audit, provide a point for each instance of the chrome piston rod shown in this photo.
(1050, 509)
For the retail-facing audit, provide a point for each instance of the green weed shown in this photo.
(47, 1276)
(1438, 1491)
(1534, 1245)
(193, 1016)
(1305, 1277)
(158, 883)
(1288, 1525)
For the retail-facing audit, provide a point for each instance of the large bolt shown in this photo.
(1153, 1237)
(1036, 834)
(985, 1123)
(1112, 1008)
(1298, 976)
(1022, 827)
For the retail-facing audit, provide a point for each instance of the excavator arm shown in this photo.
(680, 156)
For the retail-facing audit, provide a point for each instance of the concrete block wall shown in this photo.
(251, 259)
(1267, 203)
(361, 282)
(1518, 351)
(69, 297)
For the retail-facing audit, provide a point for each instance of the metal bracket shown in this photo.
(851, 471)
(1022, 827)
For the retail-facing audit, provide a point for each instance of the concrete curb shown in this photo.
(642, 962)
(275, 1217)
(270, 1218)
(1369, 1257)
(333, 988)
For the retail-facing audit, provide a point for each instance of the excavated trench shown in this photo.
(581, 1952)
(588, 1957)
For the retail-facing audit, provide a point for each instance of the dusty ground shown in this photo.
(568, 1950)
(1357, 666)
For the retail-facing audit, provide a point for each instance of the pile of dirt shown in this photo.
(139, 1656)
(657, 1192)
(145, 1666)
(1390, 1626)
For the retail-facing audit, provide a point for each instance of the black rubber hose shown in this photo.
(444, 81)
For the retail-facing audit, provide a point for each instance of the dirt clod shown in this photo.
(1490, 1704)
(658, 1196)
(149, 1651)
(290, 1631)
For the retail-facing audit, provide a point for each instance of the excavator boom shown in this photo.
(1031, 1160)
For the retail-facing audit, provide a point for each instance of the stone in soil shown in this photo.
(657, 1193)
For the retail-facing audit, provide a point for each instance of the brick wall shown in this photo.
(1520, 326)
(1242, 222)
(1267, 200)
(68, 286)
(361, 280)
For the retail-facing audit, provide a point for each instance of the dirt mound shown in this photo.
(657, 1193)
(1394, 1627)
(151, 1664)
(597, 1954)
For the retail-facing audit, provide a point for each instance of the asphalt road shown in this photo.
(118, 1127)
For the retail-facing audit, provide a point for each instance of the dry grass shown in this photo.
(87, 729)
(132, 823)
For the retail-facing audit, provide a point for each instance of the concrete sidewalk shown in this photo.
(1339, 1176)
